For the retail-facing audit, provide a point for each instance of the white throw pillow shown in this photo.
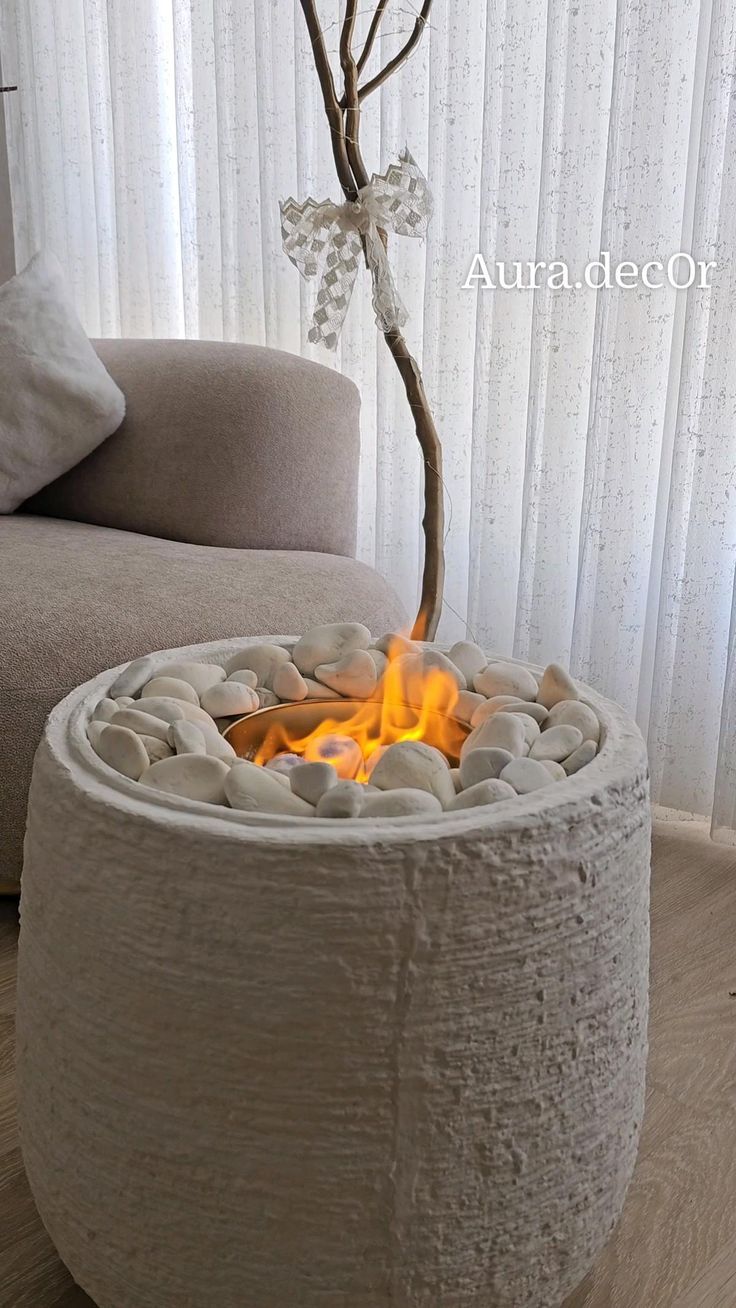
(57, 400)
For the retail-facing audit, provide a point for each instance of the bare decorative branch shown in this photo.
(343, 115)
(403, 54)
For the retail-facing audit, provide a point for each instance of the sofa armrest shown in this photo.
(222, 444)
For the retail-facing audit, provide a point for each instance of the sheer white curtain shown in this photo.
(590, 439)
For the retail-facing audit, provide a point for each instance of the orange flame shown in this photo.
(413, 701)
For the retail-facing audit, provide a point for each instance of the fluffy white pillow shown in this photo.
(57, 401)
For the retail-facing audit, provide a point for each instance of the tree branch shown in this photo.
(372, 33)
(402, 55)
(350, 100)
(329, 95)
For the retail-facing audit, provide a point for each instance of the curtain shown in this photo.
(589, 437)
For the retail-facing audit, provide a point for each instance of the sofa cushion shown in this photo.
(57, 401)
(76, 599)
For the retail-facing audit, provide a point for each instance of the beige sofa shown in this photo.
(224, 505)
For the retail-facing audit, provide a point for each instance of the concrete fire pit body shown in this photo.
(264, 1061)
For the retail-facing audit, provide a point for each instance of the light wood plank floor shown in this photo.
(675, 1246)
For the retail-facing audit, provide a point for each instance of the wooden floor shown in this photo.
(676, 1244)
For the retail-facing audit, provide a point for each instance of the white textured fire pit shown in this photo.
(272, 1058)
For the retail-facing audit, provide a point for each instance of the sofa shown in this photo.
(225, 504)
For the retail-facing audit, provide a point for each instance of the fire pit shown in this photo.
(266, 1058)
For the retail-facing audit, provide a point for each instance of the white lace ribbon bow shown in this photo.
(333, 235)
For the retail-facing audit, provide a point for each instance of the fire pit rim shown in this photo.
(621, 750)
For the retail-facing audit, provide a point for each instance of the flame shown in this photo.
(413, 701)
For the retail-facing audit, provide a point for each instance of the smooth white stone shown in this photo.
(329, 644)
(400, 803)
(106, 710)
(193, 776)
(143, 724)
(94, 731)
(125, 701)
(526, 775)
(380, 661)
(530, 708)
(457, 780)
(216, 744)
(484, 764)
(468, 702)
(289, 684)
(413, 669)
(246, 677)
(506, 679)
(262, 659)
(556, 685)
(417, 766)
(556, 770)
(310, 781)
(580, 757)
(200, 676)
(283, 763)
(556, 744)
(345, 800)
(133, 677)
(353, 676)
(469, 658)
(171, 710)
(122, 750)
(315, 690)
(170, 688)
(341, 752)
(266, 697)
(228, 699)
(156, 749)
(392, 644)
(502, 731)
(187, 738)
(254, 789)
(573, 713)
(530, 726)
(496, 704)
(373, 758)
(491, 791)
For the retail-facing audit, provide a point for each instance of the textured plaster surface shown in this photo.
(266, 1063)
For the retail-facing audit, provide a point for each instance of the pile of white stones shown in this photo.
(162, 726)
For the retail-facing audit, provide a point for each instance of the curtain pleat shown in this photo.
(589, 438)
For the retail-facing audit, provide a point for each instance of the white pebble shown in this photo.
(133, 677)
(380, 660)
(266, 697)
(526, 775)
(282, 764)
(105, 711)
(328, 644)
(263, 659)
(193, 776)
(228, 699)
(483, 764)
(392, 644)
(94, 731)
(556, 744)
(506, 679)
(171, 710)
(315, 690)
(502, 731)
(469, 658)
(200, 676)
(496, 704)
(556, 685)
(415, 765)
(573, 713)
(216, 744)
(467, 703)
(156, 749)
(457, 780)
(341, 752)
(170, 688)
(289, 684)
(529, 724)
(345, 800)
(400, 803)
(310, 781)
(253, 789)
(483, 792)
(122, 750)
(556, 770)
(530, 708)
(245, 676)
(414, 668)
(580, 758)
(143, 724)
(125, 701)
(353, 676)
(187, 738)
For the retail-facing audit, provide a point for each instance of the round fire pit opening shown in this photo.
(390, 1064)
